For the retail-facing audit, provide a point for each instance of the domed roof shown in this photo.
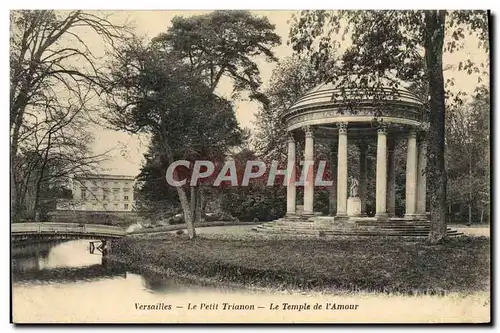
(349, 88)
(356, 97)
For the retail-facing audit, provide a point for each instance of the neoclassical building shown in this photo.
(101, 192)
(381, 116)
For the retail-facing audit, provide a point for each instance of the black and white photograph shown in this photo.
(250, 166)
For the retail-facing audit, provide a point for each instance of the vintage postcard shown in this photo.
(240, 166)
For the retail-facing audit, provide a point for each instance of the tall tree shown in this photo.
(50, 64)
(55, 144)
(221, 44)
(468, 154)
(152, 91)
(405, 44)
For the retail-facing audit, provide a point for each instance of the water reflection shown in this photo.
(29, 257)
(65, 283)
(64, 280)
(60, 262)
(158, 284)
(87, 273)
(71, 262)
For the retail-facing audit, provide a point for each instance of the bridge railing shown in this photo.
(55, 227)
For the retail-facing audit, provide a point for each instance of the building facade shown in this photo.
(101, 192)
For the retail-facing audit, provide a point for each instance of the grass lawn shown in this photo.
(372, 264)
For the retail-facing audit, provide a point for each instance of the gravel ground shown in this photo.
(243, 229)
(473, 231)
(246, 230)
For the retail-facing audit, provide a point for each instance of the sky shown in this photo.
(127, 150)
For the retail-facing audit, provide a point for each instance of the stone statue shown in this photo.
(353, 190)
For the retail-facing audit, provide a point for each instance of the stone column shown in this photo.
(332, 209)
(363, 174)
(381, 181)
(411, 176)
(342, 172)
(391, 178)
(309, 179)
(291, 193)
(421, 178)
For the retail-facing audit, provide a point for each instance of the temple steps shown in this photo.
(381, 225)
(318, 227)
(319, 233)
(314, 226)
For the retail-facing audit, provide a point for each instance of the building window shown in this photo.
(93, 193)
(125, 206)
(116, 194)
(126, 191)
(105, 193)
(83, 193)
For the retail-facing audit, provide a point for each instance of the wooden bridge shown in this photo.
(63, 231)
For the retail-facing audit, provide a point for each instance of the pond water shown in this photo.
(66, 278)
(64, 283)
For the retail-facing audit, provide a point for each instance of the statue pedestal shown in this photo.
(353, 206)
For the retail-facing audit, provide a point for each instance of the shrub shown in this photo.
(176, 220)
(255, 202)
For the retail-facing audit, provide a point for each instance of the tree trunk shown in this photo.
(185, 204)
(470, 187)
(434, 40)
(188, 216)
(36, 207)
(14, 202)
(40, 179)
(204, 205)
(186, 208)
(192, 194)
(198, 206)
(13, 192)
(17, 110)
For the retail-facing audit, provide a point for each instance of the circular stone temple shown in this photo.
(381, 115)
